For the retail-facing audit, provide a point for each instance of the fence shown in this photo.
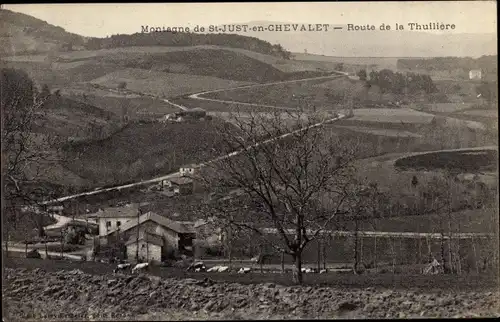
(384, 251)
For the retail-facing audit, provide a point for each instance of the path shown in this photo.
(177, 174)
(42, 253)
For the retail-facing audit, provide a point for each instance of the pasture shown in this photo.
(289, 66)
(163, 84)
(468, 161)
(141, 151)
(135, 106)
(402, 281)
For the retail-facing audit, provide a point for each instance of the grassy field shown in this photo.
(133, 105)
(292, 65)
(141, 151)
(403, 281)
(464, 161)
(360, 62)
(163, 84)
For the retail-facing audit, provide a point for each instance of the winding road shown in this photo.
(184, 108)
(62, 219)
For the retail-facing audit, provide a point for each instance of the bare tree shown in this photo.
(292, 173)
(26, 155)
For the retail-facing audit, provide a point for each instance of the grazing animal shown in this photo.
(244, 270)
(323, 271)
(140, 267)
(213, 269)
(223, 269)
(197, 267)
(121, 267)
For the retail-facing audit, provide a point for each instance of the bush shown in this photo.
(122, 85)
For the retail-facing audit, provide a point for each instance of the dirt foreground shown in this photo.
(74, 295)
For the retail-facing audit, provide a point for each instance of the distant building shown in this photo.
(181, 116)
(475, 74)
(181, 185)
(113, 218)
(155, 236)
(150, 247)
(188, 170)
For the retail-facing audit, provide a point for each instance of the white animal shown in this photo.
(223, 269)
(121, 267)
(213, 269)
(244, 270)
(323, 271)
(140, 267)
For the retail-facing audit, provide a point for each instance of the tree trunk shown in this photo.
(26, 248)
(319, 254)
(356, 255)
(46, 248)
(62, 243)
(475, 255)
(283, 262)
(393, 256)
(450, 247)
(297, 273)
(375, 254)
(323, 242)
(361, 249)
(419, 250)
(6, 243)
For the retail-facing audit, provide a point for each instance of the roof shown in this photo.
(178, 227)
(147, 237)
(126, 211)
(181, 180)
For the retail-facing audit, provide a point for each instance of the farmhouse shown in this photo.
(113, 218)
(475, 74)
(196, 113)
(150, 247)
(156, 236)
(188, 170)
(181, 185)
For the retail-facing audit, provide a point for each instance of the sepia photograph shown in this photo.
(249, 161)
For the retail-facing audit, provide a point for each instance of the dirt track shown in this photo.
(63, 295)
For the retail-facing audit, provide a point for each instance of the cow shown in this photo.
(122, 267)
(244, 270)
(140, 267)
(197, 267)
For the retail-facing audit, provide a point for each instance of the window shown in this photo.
(108, 224)
(118, 223)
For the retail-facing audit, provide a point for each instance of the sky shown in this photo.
(100, 20)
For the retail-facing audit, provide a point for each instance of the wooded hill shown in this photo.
(23, 34)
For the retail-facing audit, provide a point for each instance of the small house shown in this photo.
(475, 74)
(181, 185)
(157, 234)
(112, 218)
(150, 247)
(188, 170)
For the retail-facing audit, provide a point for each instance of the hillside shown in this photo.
(141, 151)
(23, 34)
(20, 33)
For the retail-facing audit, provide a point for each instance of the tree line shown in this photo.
(486, 63)
(306, 185)
(188, 39)
(398, 83)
